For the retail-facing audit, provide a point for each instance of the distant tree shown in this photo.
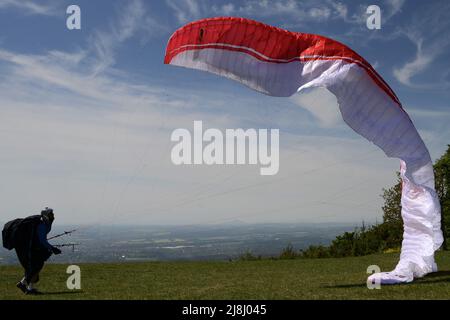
(442, 173)
(313, 252)
(343, 245)
(391, 230)
(249, 256)
(392, 206)
(289, 252)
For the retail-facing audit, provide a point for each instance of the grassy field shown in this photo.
(267, 279)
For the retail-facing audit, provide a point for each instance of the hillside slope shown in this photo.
(267, 279)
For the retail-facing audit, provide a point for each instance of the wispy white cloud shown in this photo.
(185, 10)
(428, 31)
(31, 7)
(421, 61)
(394, 7)
(340, 8)
(305, 11)
(427, 113)
(133, 19)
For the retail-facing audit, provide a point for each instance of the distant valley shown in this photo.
(191, 242)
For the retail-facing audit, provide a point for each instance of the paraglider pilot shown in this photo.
(32, 247)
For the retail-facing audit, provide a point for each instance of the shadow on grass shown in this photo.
(341, 286)
(61, 292)
(435, 277)
(437, 274)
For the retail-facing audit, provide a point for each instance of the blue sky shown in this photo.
(86, 115)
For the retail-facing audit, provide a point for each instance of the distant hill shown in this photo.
(338, 278)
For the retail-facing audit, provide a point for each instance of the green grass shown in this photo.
(265, 279)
